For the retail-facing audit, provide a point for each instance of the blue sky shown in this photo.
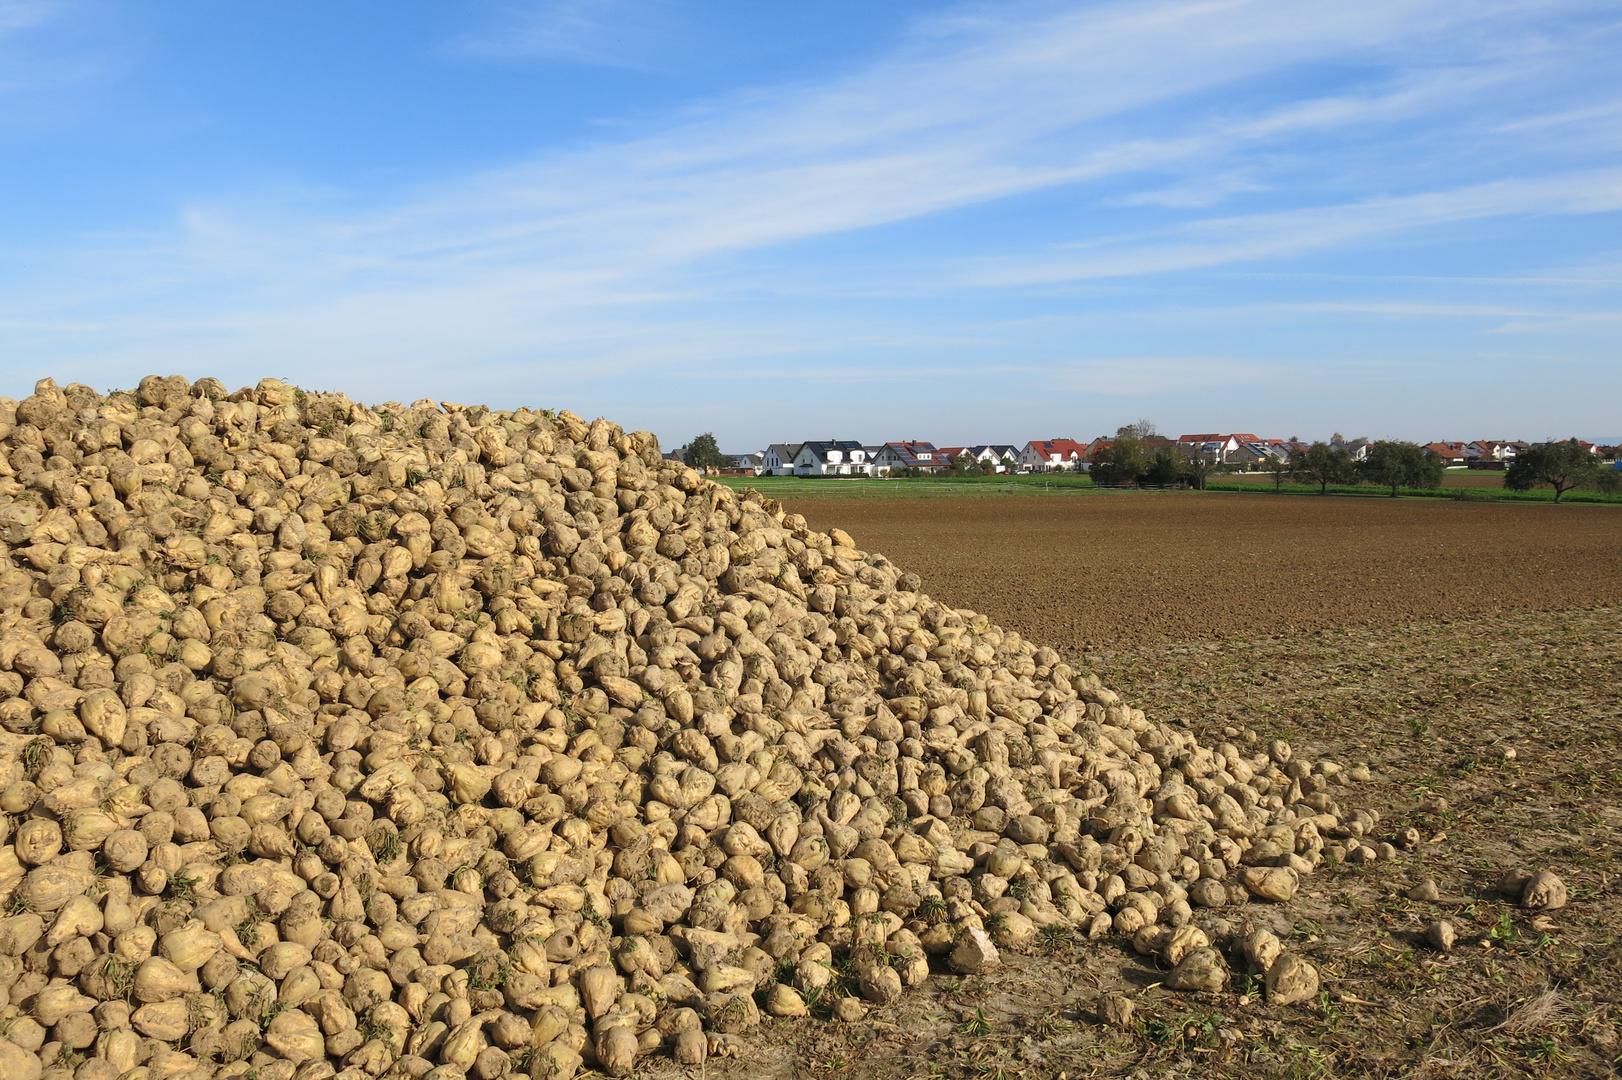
(959, 222)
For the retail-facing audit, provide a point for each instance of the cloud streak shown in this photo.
(18, 15)
(972, 111)
(658, 254)
(1220, 241)
(611, 33)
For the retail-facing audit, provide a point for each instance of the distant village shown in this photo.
(1236, 452)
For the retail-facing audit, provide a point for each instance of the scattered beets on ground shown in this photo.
(440, 741)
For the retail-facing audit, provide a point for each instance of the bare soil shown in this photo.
(1141, 567)
(1487, 702)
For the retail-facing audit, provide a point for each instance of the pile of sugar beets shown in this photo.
(437, 741)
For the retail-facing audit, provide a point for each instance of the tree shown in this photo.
(1402, 464)
(1279, 468)
(1141, 429)
(1323, 464)
(966, 464)
(1429, 473)
(1125, 461)
(1130, 459)
(1561, 465)
(1165, 466)
(1196, 467)
(704, 453)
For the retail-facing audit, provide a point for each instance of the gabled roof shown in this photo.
(1237, 436)
(821, 450)
(1061, 448)
(785, 451)
(911, 454)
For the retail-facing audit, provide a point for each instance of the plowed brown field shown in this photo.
(1107, 570)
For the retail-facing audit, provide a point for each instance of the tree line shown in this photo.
(1138, 458)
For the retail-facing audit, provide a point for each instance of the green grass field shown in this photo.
(802, 487)
(1471, 492)
(1468, 487)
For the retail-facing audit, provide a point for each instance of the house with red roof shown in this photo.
(1052, 455)
(1450, 453)
(1491, 449)
(1236, 448)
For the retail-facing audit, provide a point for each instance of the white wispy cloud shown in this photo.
(623, 257)
(1196, 192)
(18, 15)
(1138, 375)
(1605, 112)
(1219, 241)
(613, 33)
(970, 112)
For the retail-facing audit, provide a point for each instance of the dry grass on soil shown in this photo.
(1433, 701)
(1433, 707)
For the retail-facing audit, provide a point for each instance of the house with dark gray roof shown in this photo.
(835, 457)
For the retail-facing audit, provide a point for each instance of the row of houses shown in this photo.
(1457, 453)
(844, 457)
(1239, 448)
(849, 458)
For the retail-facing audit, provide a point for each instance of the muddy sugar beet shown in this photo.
(436, 741)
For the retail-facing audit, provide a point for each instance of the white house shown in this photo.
(1000, 456)
(778, 459)
(836, 457)
(895, 456)
(1222, 449)
(1497, 449)
(1052, 455)
(1263, 450)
